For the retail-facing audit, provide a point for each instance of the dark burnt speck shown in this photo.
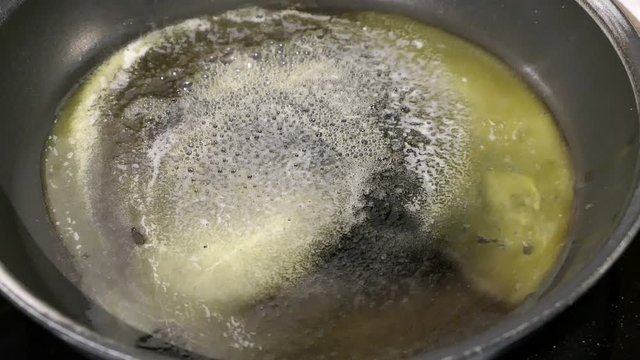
(138, 237)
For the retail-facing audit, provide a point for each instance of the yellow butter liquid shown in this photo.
(525, 196)
(213, 290)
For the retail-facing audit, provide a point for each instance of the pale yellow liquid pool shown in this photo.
(181, 232)
(526, 197)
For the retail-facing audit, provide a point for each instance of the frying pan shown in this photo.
(582, 57)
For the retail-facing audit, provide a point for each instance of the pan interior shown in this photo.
(52, 56)
(274, 182)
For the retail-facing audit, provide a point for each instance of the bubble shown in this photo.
(283, 142)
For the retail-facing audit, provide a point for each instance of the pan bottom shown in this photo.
(275, 182)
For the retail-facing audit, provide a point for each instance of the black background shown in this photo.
(604, 324)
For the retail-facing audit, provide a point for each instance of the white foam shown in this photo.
(262, 162)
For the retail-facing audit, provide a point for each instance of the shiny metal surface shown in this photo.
(632, 11)
(583, 57)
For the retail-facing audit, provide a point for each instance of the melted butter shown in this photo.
(500, 219)
(521, 202)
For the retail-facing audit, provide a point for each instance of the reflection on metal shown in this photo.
(632, 9)
(6, 7)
